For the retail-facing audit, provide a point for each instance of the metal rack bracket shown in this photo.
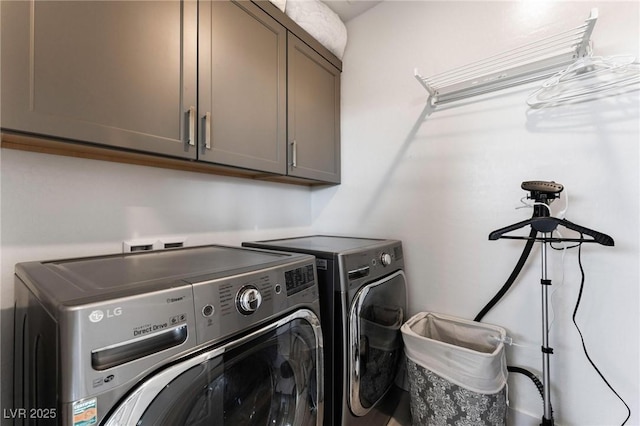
(529, 62)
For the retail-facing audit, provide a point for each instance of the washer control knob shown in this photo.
(248, 300)
(385, 259)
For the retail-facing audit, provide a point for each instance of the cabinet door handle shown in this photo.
(294, 153)
(192, 126)
(207, 130)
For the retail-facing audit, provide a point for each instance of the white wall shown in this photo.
(443, 184)
(56, 207)
(440, 185)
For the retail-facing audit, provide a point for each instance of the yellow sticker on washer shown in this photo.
(85, 412)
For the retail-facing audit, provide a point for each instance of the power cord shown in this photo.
(584, 347)
(530, 205)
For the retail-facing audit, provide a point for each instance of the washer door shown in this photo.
(269, 377)
(375, 342)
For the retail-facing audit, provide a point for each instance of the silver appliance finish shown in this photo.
(363, 302)
(94, 334)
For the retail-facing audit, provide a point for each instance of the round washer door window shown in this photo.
(268, 379)
(376, 315)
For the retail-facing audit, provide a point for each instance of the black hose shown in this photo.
(512, 278)
(530, 375)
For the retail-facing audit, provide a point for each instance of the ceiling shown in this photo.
(349, 9)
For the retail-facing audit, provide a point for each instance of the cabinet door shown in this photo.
(242, 86)
(314, 114)
(118, 73)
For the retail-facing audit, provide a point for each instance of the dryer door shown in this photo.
(269, 377)
(375, 343)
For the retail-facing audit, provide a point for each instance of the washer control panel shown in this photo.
(229, 305)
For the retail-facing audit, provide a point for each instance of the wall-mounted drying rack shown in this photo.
(530, 62)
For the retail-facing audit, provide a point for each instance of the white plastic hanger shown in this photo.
(588, 78)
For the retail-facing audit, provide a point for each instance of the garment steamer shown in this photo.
(543, 193)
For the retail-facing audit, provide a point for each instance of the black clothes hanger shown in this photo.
(543, 192)
(547, 224)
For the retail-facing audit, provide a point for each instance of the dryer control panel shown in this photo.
(372, 264)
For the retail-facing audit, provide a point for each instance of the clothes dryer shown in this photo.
(208, 335)
(363, 300)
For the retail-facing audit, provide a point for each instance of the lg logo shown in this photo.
(98, 315)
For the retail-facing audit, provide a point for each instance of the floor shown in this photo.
(402, 415)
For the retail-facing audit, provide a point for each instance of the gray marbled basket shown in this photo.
(456, 370)
(437, 402)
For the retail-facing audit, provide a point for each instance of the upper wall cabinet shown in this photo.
(233, 85)
(242, 87)
(114, 73)
(314, 114)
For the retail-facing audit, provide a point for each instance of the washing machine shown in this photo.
(209, 335)
(363, 301)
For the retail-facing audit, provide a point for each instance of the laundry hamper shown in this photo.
(457, 371)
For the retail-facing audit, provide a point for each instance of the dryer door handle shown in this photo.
(358, 273)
